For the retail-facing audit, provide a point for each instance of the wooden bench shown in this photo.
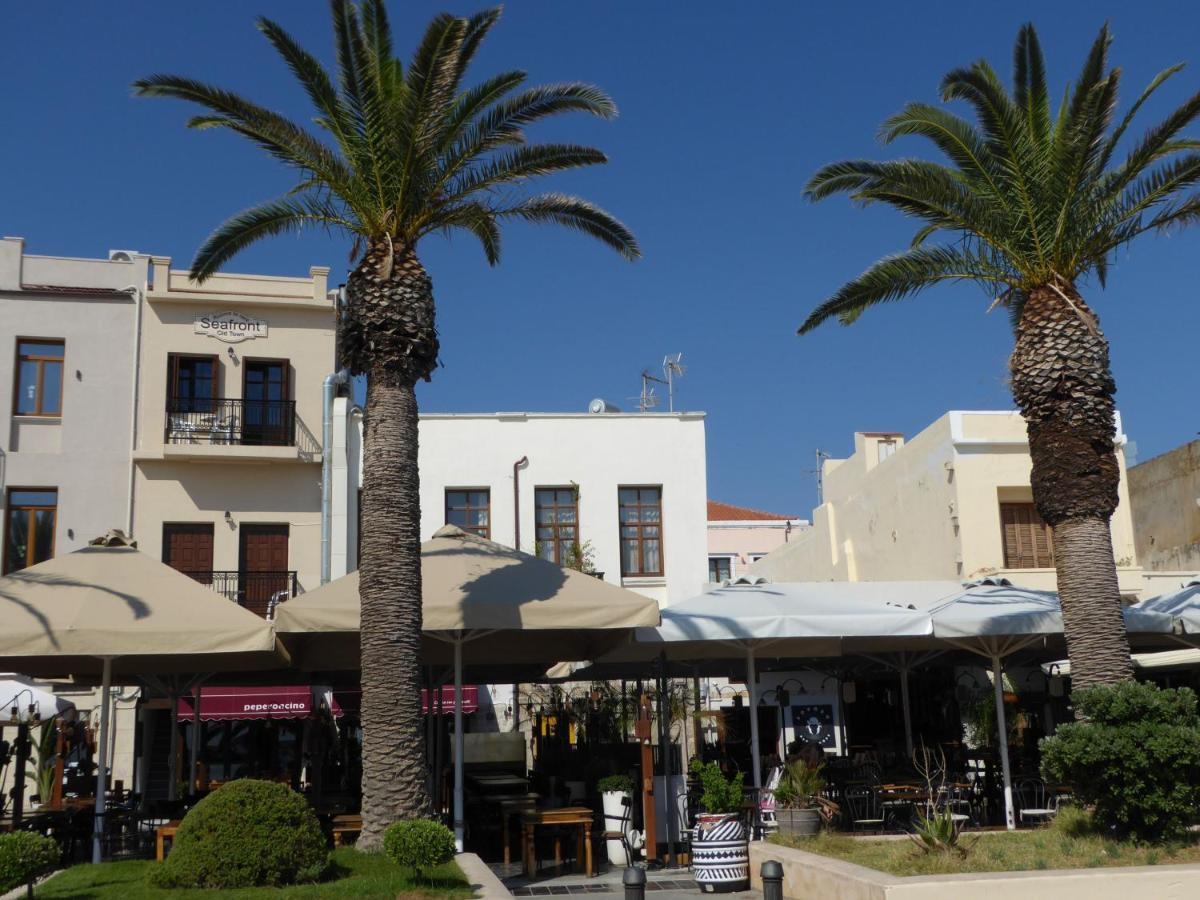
(344, 825)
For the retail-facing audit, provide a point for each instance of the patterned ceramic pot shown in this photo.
(720, 853)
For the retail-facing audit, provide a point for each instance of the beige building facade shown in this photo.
(952, 502)
(228, 457)
(1165, 492)
(739, 536)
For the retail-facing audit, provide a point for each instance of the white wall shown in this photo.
(599, 453)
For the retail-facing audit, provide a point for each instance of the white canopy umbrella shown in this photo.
(111, 610)
(474, 588)
(995, 619)
(20, 694)
(749, 616)
(1181, 607)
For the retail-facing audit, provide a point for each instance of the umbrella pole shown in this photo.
(907, 704)
(752, 690)
(173, 762)
(105, 700)
(195, 755)
(458, 746)
(1002, 728)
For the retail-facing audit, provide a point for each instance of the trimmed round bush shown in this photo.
(1134, 756)
(247, 833)
(24, 856)
(419, 844)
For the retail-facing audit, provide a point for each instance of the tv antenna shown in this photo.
(672, 369)
(819, 472)
(647, 400)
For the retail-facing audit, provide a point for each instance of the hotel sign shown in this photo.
(230, 327)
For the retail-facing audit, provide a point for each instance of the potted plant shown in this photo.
(616, 794)
(796, 808)
(720, 845)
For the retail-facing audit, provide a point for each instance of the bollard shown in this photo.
(634, 880)
(772, 879)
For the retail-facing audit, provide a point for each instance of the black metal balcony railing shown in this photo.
(201, 420)
(259, 592)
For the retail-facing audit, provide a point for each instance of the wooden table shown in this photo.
(512, 805)
(161, 834)
(343, 825)
(568, 816)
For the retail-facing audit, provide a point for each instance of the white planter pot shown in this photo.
(615, 819)
(720, 853)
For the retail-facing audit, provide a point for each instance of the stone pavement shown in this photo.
(661, 884)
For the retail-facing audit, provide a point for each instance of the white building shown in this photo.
(628, 488)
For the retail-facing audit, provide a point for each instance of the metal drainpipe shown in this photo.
(523, 461)
(328, 391)
(138, 299)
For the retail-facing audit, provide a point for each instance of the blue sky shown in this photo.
(726, 109)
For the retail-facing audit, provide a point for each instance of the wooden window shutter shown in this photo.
(1028, 541)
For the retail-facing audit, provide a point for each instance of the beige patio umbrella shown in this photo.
(111, 610)
(474, 588)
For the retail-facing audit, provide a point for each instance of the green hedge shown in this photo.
(419, 844)
(245, 834)
(1135, 756)
(24, 856)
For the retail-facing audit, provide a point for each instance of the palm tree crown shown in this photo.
(407, 153)
(1031, 197)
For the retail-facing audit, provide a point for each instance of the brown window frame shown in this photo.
(286, 363)
(1012, 555)
(173, 360)
(6, 563)
(641, 525)
(41, 372)
(470, 529)
(555, 526)
(720, 558)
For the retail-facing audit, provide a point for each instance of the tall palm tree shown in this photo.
(1032, 203)
(402, 152)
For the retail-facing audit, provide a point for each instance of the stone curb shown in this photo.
(483, 880)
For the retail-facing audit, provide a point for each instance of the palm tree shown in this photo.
(402, 153)
(1034, 202)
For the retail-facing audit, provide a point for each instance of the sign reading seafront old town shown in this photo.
(231, 327)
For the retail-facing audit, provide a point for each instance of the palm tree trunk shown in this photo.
(387, 330)
(1064, 387)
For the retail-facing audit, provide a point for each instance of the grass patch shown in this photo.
(353, 874)
(1061, 845)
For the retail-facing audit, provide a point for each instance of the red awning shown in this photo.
(347, 702)
(219, 704)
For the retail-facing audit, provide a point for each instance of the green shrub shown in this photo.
(24, 856)
(419, 844)
(721, 794)
(622, 784)
(246, 834)
(1134, 756)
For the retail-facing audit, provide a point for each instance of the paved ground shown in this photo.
(661, 884)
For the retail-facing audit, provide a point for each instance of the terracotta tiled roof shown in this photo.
(72, 291)
(727, 512)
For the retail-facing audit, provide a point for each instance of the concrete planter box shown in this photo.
(798, 822)
(809, 876)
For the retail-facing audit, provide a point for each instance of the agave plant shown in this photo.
(1030, 204)
(401, 152)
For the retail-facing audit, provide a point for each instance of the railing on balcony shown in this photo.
(259, 592)
(201, 420)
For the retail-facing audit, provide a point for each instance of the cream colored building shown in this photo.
(229, 411)
(739, 536)
(1165, 492)
(952, 502)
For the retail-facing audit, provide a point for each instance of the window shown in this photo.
(556, 511)
(470, 510)
(720, 569)
(191, 383)
(39, 379)
(640, 512)
(886, 448)
(1028, 541)
(29, 517)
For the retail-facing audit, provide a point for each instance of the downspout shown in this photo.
(523, 461)
(328, 392)
(138, 299)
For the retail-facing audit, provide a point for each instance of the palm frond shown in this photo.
(265, 220)
(1029, 77)
(579, 214)
(898, 276)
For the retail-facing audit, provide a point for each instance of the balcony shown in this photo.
(226, 430)
(259, 592)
